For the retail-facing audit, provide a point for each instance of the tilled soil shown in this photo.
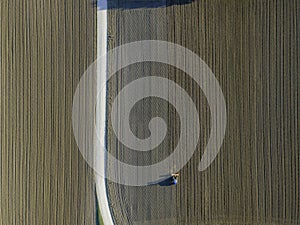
(252, 48)
(46, 45)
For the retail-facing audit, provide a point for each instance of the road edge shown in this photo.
(101, 190)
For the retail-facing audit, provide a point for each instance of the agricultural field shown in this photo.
(252, 47)
(45, 47)
(253, 50)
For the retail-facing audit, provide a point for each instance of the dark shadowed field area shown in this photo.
(252, 48)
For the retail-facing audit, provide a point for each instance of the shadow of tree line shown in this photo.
(134, 4)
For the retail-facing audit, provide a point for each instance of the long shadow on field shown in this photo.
(134, 4)
(165, 182)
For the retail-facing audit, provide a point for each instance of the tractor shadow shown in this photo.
(166, 182)
(163, 182)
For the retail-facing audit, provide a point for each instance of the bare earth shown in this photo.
(253, 49)
(46, 45)
(251, 46)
